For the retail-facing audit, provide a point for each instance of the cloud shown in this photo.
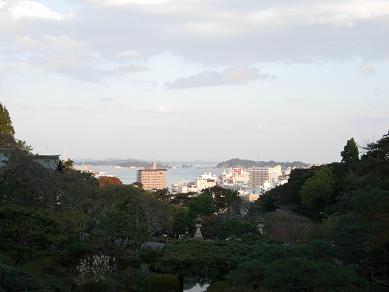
(64, 55)
(106, 99)
(32, 9)
(163, 109)
(209, 33)
(128, 54)
(366, 69)
(132, 2)
(123, 69)
(230, 75)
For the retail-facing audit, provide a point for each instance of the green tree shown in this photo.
(350, 153)
(380, 149)
(235, 228)
(181, 222)
(306, 275)
(319, 187)
(224, 200)
(201, 205)
(7, 131)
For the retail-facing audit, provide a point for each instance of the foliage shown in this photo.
(235, 228)
(289, 269)
(318, 188)
(287, 194)
(351, 199)
(148, 255)
(350, 153)
(7, 131)
(205, 260)
(95, 268)
(59, 231)
(289, 227)
(299, 273)
(223, 199)
(181, 222)
(28, 228)
(23, 146)
(201, 205)
(161, 283)
(13, 280)
(378, 150)
(244, 163)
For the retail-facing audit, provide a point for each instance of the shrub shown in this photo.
(161, 283)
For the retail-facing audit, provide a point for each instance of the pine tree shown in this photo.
(350, 152)
(7, 131)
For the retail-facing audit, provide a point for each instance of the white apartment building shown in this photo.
(206, 181)
(184, 187)
(275, 173)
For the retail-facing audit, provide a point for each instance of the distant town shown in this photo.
(250, 179)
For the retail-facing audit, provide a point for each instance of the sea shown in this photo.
(174, 175)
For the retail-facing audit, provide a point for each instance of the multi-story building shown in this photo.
(275, 173)
(153, 178)
(206, 181)
(258, 176)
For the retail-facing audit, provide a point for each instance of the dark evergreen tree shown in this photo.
(350, 152)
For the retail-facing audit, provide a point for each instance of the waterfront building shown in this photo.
(153, 178)
(206, 181)
(184, 187)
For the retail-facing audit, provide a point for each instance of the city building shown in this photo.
(258, 176)
(153, 178)
(206, 181)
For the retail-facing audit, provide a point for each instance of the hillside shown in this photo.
(236, 162)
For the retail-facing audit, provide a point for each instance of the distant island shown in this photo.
(119, 162)
(232, 163)
(243, 163)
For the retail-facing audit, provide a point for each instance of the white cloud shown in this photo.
(32, 9)
(163, 109)
(2, 4)
(366, 69)
(209, 33)
(128, 54)
(231, 75)
(132, 2)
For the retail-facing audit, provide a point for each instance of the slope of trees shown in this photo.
(350, 200)
(326, 229)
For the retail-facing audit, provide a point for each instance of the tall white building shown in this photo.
(206, 181)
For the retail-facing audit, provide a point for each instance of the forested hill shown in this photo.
(236, 162)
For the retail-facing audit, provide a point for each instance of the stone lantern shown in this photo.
(261, 225)
(198, 235)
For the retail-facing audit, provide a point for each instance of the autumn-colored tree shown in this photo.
(105, 181)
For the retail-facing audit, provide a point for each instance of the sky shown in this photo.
(196, 79)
